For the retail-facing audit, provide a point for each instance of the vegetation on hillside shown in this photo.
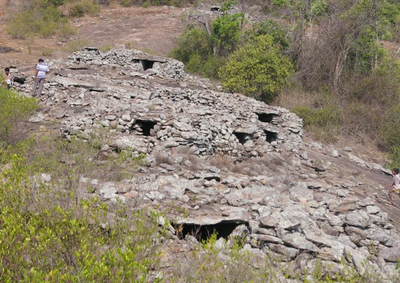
(344, 81)
(47, 18)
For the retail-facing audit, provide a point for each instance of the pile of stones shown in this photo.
(219, 161)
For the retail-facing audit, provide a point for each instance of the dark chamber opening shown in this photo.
(271, 136)
(265, 117)
(146, 126)
(147, 64)
(204, 232)
(243, 137)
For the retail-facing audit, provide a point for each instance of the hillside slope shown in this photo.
(222, 162)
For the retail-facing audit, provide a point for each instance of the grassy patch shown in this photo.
(49, 234)
(323, 122)
(14, 108)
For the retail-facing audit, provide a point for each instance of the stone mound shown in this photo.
(219, 162)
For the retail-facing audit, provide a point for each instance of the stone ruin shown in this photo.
(282, 202)
(139, 98)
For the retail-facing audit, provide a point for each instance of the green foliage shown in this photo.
(269, 27)
(318, 8)
(42, 21)
(48, 234)
(226, 32)
(55, 3)
(195, 51)
(105, 48)
(194, 42)
(323, 122)
(77, 11)
(208, 68)
(126, 3)
(84, 7)
(14, 108)
(258, 69)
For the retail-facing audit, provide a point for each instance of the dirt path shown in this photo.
(371, 177)
(153, 30)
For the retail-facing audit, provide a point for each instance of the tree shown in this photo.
(258, 69)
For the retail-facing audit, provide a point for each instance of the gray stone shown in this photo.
(391, 254)
(357, 219)
(298, 241)
(288, 252)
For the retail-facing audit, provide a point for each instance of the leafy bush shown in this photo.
(226, 33)
(50, 235)
(258, 69)
(40, 21)
(77, 11)
(83, 7)
(14, 108)
(195, 50)
(268, 27)
(127, 3)
(323, 122)
(194, 41)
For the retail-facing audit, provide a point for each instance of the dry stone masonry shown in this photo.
(154, 107)
(221, 162)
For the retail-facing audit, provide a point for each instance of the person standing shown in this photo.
(9, 81)
(42, 69)
(395, 185)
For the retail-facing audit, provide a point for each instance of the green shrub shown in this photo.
(105, 48)
(77, 10)
(258, 69)
(269, 27)
(50, 235)
(66, 31)
(195, 42)
(84, 7)
(226, 32)
(14, 108)
(40, 21)
(127, 3)
(323, 122)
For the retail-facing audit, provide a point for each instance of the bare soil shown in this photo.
(153, 30)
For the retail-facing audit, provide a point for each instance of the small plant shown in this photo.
(77, 11)
(105, 48)
(14, 108)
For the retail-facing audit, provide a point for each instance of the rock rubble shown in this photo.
(222, 161)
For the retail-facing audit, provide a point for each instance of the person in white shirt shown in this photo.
(42, 69)
(9, 80)
(395, 185)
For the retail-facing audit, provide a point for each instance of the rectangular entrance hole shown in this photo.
(145, 126)
(204, 232)
(243, 137)
(271, 136)
(266, 117)
(147, 64)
